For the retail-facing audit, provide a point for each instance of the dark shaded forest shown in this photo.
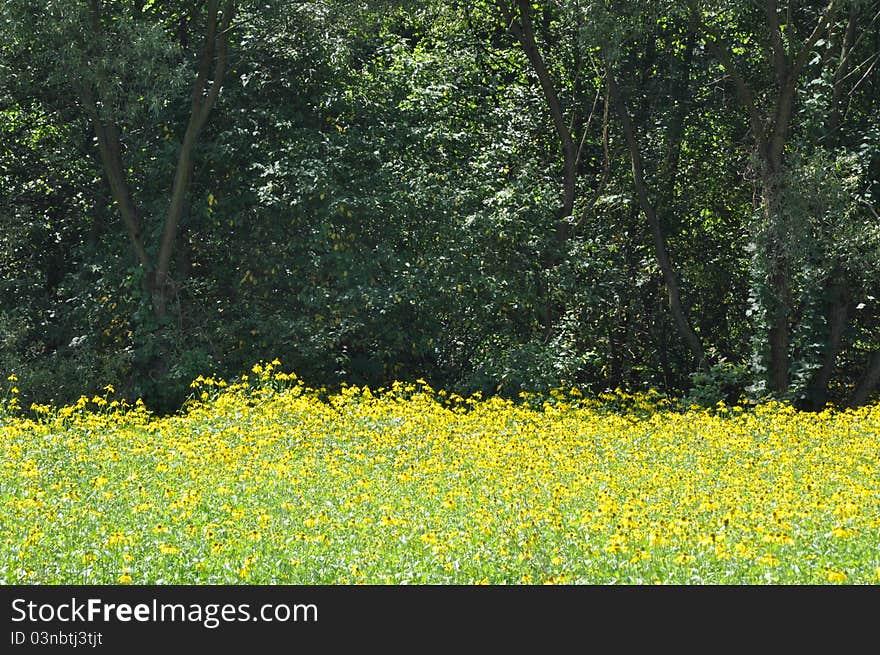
(493, 196)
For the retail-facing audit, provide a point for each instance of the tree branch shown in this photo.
(660, 250)
(221, 48)
(524, 31)
(205, 58)
(780, 60)
(215, 45)
(835, 114)
(718, 47)
(109, 149)
(821, 26)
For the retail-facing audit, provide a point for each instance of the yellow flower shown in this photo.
(835, 576)
(778, 538)
(684, 558)
(656, 540)
(429, 486)
(125, 578)
(615, 544)
(116, 538)
(841, 532)
(639, 556)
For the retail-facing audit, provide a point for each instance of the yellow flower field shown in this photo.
(268, 481)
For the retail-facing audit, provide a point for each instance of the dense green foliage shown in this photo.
(493, 195)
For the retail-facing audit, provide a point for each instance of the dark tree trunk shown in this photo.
(770, 133)
(837, 317)
(212, 66)
(779, 291)
(661, 252)
(868, 383)
(519, 21)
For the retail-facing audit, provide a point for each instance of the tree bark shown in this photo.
(779, 291)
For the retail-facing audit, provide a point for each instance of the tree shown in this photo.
(205, 89)
(770, 128)
(677, 89)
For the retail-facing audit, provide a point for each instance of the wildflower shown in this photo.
(684, 558)
(835, 576)
(840, 532)
(615, 544)
(116, 539)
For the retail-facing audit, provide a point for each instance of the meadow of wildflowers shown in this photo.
(265, 480)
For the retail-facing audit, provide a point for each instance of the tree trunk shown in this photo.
(838, 302)
(770, 132)
(835, 115)
(779, 290)
(838, 314)
(204, 96)
(687, 333)
(213, 55)
(524, 31)
(868, 383)
(521, 26)
(163, 285)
